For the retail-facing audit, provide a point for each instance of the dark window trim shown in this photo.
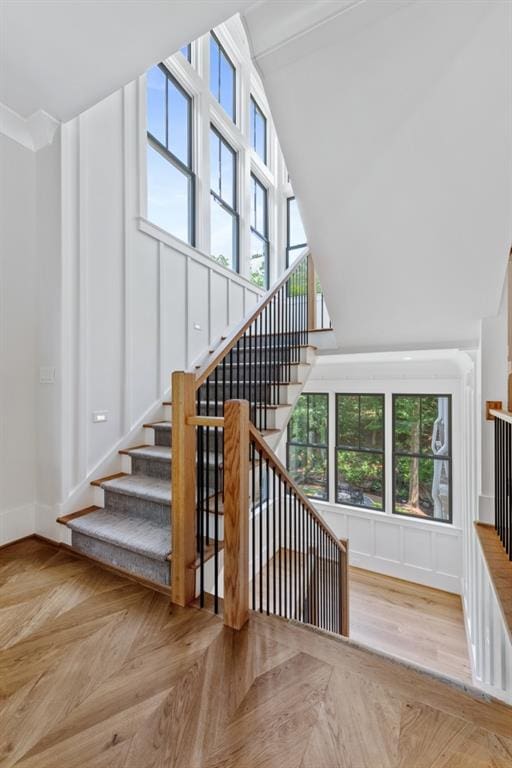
(413, 455)
(312, 445)
(381, 452)
(263, 236)
(226, 55)
(166, 153)
(257, 109)
(290, 248)
(227, 206)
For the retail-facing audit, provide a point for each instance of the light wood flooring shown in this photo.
(418, 624)
(97, 671)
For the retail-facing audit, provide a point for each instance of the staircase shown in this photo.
(129, 527)
(200, 494)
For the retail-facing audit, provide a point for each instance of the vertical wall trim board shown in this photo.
(83, 334)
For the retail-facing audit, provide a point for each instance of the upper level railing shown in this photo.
(210, 497)
(503, 478)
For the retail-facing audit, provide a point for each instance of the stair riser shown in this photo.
(162, 436)
(151, 468)
(296, 374)
(145, 508)
(154, 570)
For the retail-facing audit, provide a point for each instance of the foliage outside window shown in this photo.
(307, 447)
(171, 182)
(360, 450)
(296, 236)
(223, 195)
(422, 456)
(258, 123)
(222, 77)
(259, 233)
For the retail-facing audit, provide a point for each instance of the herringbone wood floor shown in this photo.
(97, 671)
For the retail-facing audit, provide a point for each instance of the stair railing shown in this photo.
(250, 365)
(503, 478)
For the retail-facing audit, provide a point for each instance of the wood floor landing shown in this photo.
(98, 672)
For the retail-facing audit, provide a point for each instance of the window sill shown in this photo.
(392, 519)
(156, 232)
(499, 568)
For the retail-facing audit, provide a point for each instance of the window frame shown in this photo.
(222, 51)
(225, 205)
(313, 445)
(448, 457)
(186, 169)
(382, 452)
(252, 127)
(290, 248)
(264, 237)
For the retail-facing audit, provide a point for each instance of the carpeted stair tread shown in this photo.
(142, 487)
(159, 425)
(134, 534)
(154, 452)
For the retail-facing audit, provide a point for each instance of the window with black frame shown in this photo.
(259, 233)
(422, 456)
(186, 51)
(258, 123)
(359, 456)
(222, 77)
(308, 445)
(170, 180)
(223, 195)
(296, 236)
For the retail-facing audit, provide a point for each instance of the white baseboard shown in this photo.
(397, 570)
(17, 522)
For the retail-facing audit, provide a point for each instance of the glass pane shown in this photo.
(179, 129)
(308, 467)
(422, 487)
(347, 421)
(360, 479)
(168, 196)
(214, 67)
(258, 261)
(227, 86)
(261, 136)
(258, 206)
(371, 431)
(407, 423)
(296, 230)
(187, 52)
(215, 162)
(252, 122)
(298, 428)
(318, 419)
(223, 235)
(227, 171)
(156, 103)
(435, 427)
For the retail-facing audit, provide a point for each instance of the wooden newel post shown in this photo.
(183, 497)
(344, 612)
(311, 293)
(236, 513)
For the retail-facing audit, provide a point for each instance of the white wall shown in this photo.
(18, 277)
(428, 553)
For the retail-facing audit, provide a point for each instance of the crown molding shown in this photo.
(32, 132)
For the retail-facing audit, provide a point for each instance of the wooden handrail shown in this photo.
(257, 438)
(503, 415)
(227, 344)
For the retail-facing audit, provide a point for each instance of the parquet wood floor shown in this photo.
(99, 672)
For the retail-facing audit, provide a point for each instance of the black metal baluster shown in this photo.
(253, 523)
(268, 531)
(274, 540)
(280, 490)
(260, 458)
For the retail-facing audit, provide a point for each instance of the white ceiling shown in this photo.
(63, 56)
(395, 122)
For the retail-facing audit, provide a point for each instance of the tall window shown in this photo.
(360, 450)
(171, 182)
(222, 77)
(258, 131)
(296, 237)
(259, 233)
(422, 456)
(224, 216)
(307, 447)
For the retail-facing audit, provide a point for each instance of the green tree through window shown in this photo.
(307, 448)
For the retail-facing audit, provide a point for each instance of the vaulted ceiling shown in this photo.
(395, 122)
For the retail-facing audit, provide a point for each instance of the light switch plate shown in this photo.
(99, 417)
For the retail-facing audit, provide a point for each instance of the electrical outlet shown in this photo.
(99, 417)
